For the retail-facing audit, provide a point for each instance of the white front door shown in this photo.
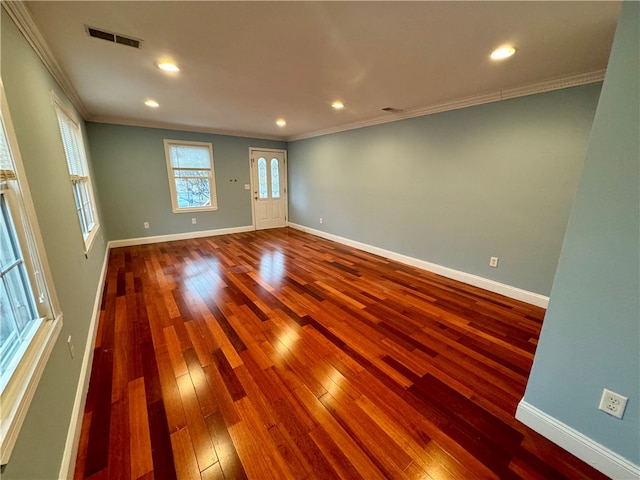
(269, 188)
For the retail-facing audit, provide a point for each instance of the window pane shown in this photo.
(191, 175)
(9, 340)
(17, 307)
(193, 191)
(86, 209)
(78, 198)
(86, 204)
(20, 297)
(6, 164)
(10, 249)
(262, 178)
(187, 156)
(275, 178)
(71, 136)
(7, 253)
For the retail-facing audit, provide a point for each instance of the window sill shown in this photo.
(194, 210)
(17, 396)
(90, 240)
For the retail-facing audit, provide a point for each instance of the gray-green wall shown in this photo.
(132, 182)
(28, 85)
(454, 188)
(591, 334)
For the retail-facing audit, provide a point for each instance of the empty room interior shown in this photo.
(194, 281)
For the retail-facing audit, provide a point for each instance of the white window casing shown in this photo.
(26, 352)
(191, 176)
(71, 137)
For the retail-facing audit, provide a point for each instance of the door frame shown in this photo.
(252, 186)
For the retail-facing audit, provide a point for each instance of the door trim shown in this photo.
(252, 186)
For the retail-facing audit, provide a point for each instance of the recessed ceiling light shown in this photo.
(151, 103)
(168, 67)
(338, 105)
(281, 122)
(502, 53)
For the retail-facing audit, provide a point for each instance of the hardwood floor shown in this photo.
(277, 355)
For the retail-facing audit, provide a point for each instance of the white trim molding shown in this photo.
(471, 101)
(127, 122)
(128, 242)
(468, 278)
(480, 99)
(578, 444)
(20, 14)
(67, 467)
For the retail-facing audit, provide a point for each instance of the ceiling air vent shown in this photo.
(392, 110)
(113, 37)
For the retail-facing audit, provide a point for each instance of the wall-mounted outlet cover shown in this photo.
(613, 403)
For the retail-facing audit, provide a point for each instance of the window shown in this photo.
(191, 176)
(275, 178)
(78, 174)
(17, 303)
(29, 324)
(262, 177)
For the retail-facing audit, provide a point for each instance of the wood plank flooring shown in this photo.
(280, 355)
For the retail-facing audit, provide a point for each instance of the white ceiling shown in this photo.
(246, 64)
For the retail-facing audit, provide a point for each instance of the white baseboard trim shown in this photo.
(491, 285)
(578, 444)
(128, 242)
(67, 466)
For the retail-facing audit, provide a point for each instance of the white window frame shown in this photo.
(172, 184)
(17, 393)
(79, 174)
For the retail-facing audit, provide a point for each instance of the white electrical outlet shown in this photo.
(320, 219)
(194, 221)
(613, 403)
(146, 224)
(70, 345)
(493, 262)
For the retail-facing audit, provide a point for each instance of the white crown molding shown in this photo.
(481, 99)
(183, 128)
(468, 278)
(555, 84)
(21, 15)
(489, 97)
(576, 443)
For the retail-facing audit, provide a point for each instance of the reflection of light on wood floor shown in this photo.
(272, 267)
